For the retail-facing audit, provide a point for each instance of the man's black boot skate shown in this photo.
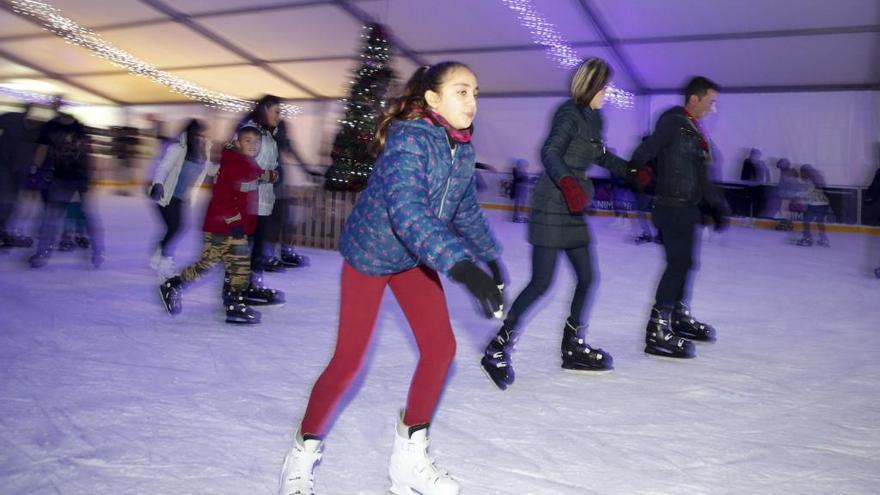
(660, 340)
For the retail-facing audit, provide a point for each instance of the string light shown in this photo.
(544, 33)
(27, 96)
(74, 34)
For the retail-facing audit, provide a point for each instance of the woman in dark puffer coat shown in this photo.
(558, 222)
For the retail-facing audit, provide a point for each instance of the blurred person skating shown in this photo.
(644, 202)
(872, 195)
(18, 137)
(417, 218)
(74, 233)
(266, 118)
(683, 155)
(754, 175)
(229, 219)
(787, 191)
(519, 189)
(182, 168)
(558, 223)
(293, 173)
(63, 156)
(816, 206)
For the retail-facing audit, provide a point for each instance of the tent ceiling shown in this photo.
(308, 48)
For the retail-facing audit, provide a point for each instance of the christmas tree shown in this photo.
(351, 153)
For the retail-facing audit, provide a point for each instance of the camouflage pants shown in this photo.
(235, 254)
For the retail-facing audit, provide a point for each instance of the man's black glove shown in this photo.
(480, 285)
(157, 192)
(237, 231)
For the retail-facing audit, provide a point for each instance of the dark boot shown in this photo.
(40, 258)
(289, 257)
(660, 340)
(273, 264)
(258, 294)
(170, 292)
(239, 312)
(685, 325)
(496, 358)
(66, 243)
(577, 355)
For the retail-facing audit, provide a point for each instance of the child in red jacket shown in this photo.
(230, 218)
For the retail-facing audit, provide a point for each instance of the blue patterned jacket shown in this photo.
(419, 207)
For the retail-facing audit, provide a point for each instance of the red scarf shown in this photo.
(456, 135)
(704, 143)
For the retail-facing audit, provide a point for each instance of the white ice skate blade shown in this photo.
(588, 372)
(668, 357)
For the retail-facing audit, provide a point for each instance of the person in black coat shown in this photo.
(557, 222)
(684, 191)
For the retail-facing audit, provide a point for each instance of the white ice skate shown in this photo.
(165, 268)
(411, 471)
(298, 472)
(154, 258)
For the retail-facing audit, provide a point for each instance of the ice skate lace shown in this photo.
(499, 360)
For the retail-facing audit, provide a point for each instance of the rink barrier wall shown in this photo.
(315, 217)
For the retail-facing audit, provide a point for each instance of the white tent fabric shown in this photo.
(801, 77)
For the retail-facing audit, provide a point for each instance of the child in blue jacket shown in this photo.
(417, 218)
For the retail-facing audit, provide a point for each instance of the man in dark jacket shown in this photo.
(63, 154)
(684, 187)
(18, 135)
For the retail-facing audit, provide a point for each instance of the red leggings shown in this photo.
(421, 297)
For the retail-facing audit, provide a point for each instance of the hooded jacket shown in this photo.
(419, 207)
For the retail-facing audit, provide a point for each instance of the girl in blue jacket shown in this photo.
(417, 218)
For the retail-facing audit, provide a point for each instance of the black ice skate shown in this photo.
(170, 292)
(97, 258)
(685, 325)
(577, 355)
(660, 340)
(877, 272)
(273, 264)
(645, 237)
(805, 241)
(258, 294)
(238, 312)
(496, 359)
(82, 240)
(40, 258)
(823, 241)
(17, 240)
(291, 258)
(66, 243)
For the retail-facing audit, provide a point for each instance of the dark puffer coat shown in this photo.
(574, 143)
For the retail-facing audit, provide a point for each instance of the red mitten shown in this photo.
(575, 197)
(645, 176)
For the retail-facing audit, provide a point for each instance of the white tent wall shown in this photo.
(837, 132)
(312, 130)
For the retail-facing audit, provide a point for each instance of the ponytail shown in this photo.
(411, 104)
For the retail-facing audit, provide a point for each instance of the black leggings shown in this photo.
(543, 268)
(172, 216)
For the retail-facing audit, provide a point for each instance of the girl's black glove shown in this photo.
(480, 285)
